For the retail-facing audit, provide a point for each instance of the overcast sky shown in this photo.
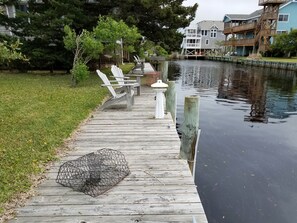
(216, 9)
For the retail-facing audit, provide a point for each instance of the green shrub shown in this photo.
(80, 72)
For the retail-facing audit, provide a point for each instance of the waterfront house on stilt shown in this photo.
(253, 33)
(201, 38)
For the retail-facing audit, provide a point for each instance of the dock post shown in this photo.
(164, 71)
(189, 129)
(171, 100)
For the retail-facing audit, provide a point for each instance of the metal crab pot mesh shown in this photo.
(94, 173)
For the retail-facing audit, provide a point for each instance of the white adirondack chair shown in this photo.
(137, 59)
(128, 95)
(122, 80)
(119, 76)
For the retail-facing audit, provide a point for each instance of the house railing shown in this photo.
(264, 2)
(189, 45)
(191, 35)
(241, 28)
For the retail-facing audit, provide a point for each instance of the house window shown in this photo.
(206, 42)
(283, 17)
(193, 42)
(281, 31)
(191, 32)
(204, 32)
(213, 33)
(190, 41)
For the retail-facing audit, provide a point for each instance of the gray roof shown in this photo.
(242, 17)
(237, 16)
(208, 24)
(255, 14)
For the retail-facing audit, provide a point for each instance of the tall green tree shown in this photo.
(85, 47)
(88, 45)
(158, 20)
(116, 35)
(40, 27)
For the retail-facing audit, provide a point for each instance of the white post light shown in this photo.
(160, 88)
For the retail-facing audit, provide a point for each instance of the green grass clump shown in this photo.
(37, 113)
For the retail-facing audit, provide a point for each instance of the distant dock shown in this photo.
(256, 63)
(193, 57)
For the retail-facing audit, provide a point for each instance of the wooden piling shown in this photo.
(164, 71)
(189, 129)
(171, 99)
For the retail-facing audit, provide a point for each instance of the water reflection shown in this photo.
(246, 168)
(270, 93)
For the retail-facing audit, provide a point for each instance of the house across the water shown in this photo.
(253, 33)
(203, 37)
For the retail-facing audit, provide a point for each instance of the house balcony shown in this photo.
(191, 35)
(240, 42)
(265, 2)
(192, 46)
(239, 29)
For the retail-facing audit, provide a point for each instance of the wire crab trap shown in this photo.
(94, 173)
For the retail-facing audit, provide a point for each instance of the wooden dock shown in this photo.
(160, 187)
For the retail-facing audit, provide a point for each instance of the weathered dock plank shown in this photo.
(143, 181)
(110, 209)
(160, 187)
(116, 219)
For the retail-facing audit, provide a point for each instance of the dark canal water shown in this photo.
(247, 160)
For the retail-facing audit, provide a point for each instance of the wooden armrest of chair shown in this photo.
(130, 81)
(121, 77)
(135, 75)
(123, 80)
(117, 85)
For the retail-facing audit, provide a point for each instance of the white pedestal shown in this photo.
(159, 87)
(159, 111)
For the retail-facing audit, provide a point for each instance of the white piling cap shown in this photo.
(159, 84)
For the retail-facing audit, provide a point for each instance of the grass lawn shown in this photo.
(285, 60)
(37, 113)
(274, 59)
